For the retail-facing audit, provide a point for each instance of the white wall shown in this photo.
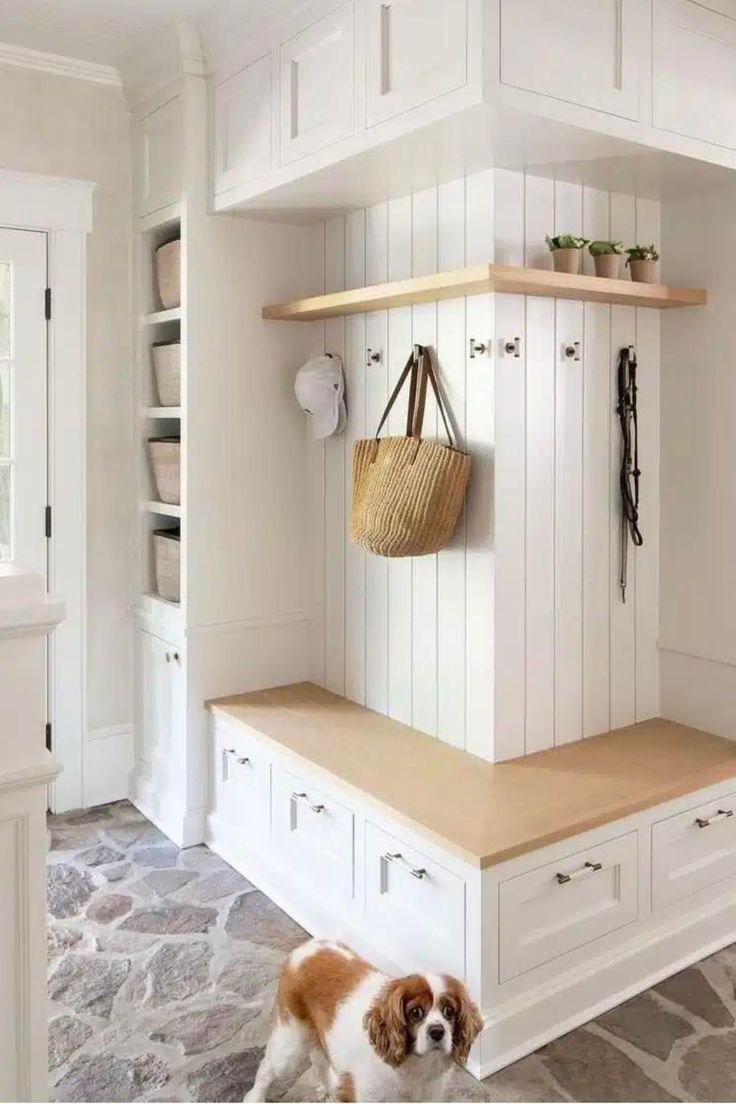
(67, 127)
(698, 469)
(513, 639)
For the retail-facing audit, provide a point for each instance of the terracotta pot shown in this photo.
(566, 260)
(643, 272)
(167, 369)
(608, 265)
(168, 274)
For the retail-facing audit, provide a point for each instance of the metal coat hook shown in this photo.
(372, 356)
(571, 350)
(512, 347)
(478, 348)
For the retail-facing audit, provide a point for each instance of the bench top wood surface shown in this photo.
(485, 813)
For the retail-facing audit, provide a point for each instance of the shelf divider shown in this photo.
(479, 279)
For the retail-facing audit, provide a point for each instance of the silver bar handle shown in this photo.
(415, 871)
(585, 871)
(243, 759)
(316, 808)
(717, 818)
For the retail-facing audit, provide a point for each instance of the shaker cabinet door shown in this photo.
(583, 51)
(242, 121)
(159, 164)
(694, 84)
(317, 97)
(416, 51)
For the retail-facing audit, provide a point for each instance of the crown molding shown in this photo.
(58, 64)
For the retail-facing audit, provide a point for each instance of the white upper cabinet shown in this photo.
(694, 87)
(415, 51)
(583, 51)
(317, 85)
(160, 166)
(242, 119)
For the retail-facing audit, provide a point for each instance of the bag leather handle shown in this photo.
(419, 367)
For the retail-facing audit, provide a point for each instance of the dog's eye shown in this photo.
(448, 1012)
(416, 1013)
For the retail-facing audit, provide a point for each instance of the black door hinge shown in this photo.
(48, 737)
(47, 304)
(47, 522)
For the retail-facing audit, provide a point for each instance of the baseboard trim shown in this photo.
(184, 827)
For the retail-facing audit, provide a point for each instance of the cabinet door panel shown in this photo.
(585, 53)
(163, 701)
(242, 110)
(694, 87)
(416, 51)
(159, 182)
(317, 85)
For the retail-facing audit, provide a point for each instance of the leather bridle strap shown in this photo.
(630, 474)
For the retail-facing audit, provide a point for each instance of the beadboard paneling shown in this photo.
(514, 638)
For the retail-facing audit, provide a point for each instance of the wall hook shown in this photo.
(479, 348)
(512, 347)
(372, 356)
(571, 350)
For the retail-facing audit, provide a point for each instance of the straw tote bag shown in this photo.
(407, 492)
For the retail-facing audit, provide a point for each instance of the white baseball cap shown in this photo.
(320, 391)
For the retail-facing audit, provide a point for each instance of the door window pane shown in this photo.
(4, 409)
(6, 292)
(5, 515)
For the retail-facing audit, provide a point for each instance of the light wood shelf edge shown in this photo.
(479, 279)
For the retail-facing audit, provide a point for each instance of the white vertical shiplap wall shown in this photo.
(514, 638)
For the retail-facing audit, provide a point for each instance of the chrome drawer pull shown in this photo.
(243, 759)
(585, 871)
(717, 818)
(415, 871)
(298, 796)
(317, 808)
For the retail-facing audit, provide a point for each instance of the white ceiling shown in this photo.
(102, 31)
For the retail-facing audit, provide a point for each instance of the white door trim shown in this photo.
(63, 209)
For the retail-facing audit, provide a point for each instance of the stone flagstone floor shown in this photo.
(162, 970)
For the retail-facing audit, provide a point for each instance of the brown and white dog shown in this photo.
(370, 1037)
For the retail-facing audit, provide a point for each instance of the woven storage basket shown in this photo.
(165, 455)
(167, 558)
(168, 274)
(167, 369)
(408, 493)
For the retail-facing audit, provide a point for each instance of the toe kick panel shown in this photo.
(555, 908)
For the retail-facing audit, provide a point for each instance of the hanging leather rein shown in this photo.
(630, 473)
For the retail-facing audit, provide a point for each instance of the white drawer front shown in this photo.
(241, 779)
(414, 907)
(314, 833)
(563, 905)
(693, 850)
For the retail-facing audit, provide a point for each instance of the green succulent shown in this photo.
(642, 253)
(605, 248)
(565, 241)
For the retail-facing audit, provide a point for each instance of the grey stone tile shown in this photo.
(690, 989)
(164, 855)
(708, 1070)
(590, 1069)
(175, 972)
(522, 1081)
(205, 1028)
(221, 883)
(647, 1025)
(117, 873)
(111, 906)
(74, 839)
(68, 890)
(97, 815)
(111, 1078)
(66, 1034)
(99, 855)
(88, 983)
(163, 882)
(248, 975)
(225, 1079)
(254, 917)
(170, 919)
(59, 940)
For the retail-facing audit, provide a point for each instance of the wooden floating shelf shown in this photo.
(158, 317)
(484, 278)
(153, 507)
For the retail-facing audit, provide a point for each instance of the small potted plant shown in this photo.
(606, 258)
(642, 260)
(566, 250)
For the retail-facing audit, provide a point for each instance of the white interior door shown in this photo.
(23, 399)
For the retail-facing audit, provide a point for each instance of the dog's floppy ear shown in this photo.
(468, 1022)
(385, 1024)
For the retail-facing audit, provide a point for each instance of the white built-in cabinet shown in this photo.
(243, 125)
(316, 85)
(694, 58)
(162, 681)
(585, 53)
(159, 160)
(415, 50)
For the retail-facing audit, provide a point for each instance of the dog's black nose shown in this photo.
(436, 1033)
